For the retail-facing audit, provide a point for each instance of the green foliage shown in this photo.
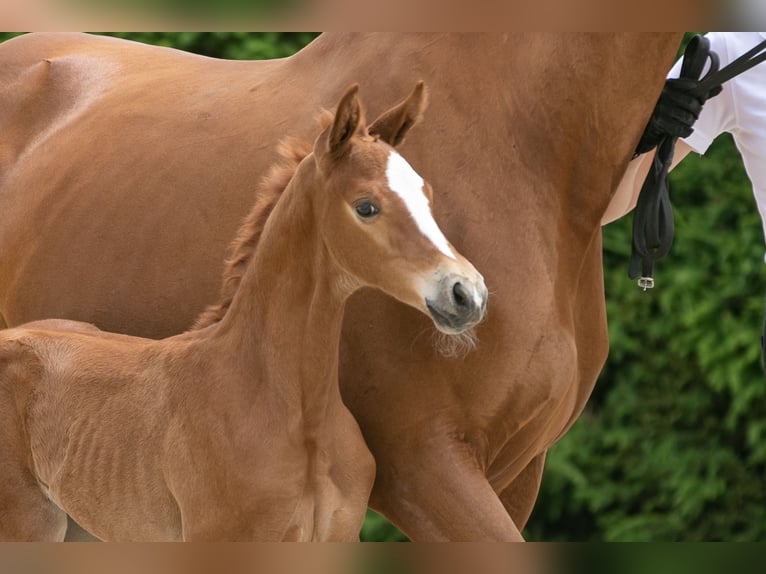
(231, 45)
(671, 445)
(378, 529)
(8, 35)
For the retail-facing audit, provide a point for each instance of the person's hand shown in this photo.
(675, 112)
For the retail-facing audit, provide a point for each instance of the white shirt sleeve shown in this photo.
(740, 110)
(717, 114)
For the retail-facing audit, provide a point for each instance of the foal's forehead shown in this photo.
(405, 182)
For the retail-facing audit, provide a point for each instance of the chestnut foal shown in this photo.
(236, 431)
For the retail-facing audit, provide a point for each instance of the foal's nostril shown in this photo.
(461, 295)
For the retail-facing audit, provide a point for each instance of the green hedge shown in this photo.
(231, 45)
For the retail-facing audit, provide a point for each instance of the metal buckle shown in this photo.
(646, 283)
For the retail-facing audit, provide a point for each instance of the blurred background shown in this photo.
(672, 444)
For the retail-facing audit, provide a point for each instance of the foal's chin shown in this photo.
(453, 344)
(454, 340)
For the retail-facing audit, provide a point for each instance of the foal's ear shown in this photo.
(394, 124)
(348, 116)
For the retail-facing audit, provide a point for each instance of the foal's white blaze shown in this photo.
(407, 184)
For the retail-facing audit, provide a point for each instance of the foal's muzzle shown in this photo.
(459, 305)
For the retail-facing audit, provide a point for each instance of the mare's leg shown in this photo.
(439, 494)
(519, 497)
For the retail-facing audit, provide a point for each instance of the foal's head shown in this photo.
(374, 213)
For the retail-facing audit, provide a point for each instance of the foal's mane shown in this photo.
(291, 152)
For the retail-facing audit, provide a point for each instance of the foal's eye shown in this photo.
(366, 209)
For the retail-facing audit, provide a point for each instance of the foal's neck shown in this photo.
(285, 320)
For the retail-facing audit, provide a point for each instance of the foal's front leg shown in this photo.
(227, 509)
(227, 523)
(271, 518)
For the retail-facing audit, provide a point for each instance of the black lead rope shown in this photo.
(653, 225)
(653, 217)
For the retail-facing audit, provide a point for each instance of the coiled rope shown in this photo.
(653, 225)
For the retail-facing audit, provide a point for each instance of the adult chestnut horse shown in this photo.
(225, 433)
(125, 169)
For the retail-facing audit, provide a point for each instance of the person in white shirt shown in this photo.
(740, 110)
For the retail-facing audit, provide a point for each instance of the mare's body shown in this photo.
(124, 172)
